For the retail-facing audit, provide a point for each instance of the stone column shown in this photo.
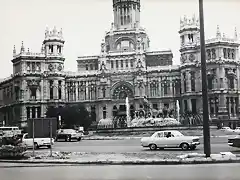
(171, 88)
(47, 95)
(55, 89)
(137, 89)
(24, 90)
(30, 112)
(36, 112)
(188, 74)
(87, 90)
(189, 101)
(234, 110)
(222, 105)
(66, 91)
(41, 88)
(23, 113)
(63, 90)
(217, 77)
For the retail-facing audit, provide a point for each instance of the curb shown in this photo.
(114, 162)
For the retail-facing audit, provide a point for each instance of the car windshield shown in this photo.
(67, 131)
(177, 134)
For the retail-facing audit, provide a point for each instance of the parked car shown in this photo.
(69, 135)
(38, 142)
(170, 139)
(234, 141)
(237, 130)
(228, 131)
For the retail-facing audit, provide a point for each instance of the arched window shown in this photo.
(122, 91)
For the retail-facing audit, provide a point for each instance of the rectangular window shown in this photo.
(112, 65)
(193, 81)
(51, 89)
(184, 83)
(131, 63)
(121, 63)
(185, 105)
(231, 83)
(210, 83)
(116, 63)
(194, 106)
(104, 112)
(126, 62)
(59, 89)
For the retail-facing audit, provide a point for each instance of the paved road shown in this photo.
(173, 172)
(133, 145)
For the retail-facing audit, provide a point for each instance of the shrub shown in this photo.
(13, 152)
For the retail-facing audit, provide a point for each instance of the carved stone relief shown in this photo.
(191, 57)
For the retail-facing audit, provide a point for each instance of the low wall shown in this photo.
(149, 129)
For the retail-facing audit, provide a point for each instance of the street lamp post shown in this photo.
(206, 131)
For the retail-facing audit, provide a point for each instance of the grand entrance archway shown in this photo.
(122, 90)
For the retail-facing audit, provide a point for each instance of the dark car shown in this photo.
(234, 142)
(68, 135)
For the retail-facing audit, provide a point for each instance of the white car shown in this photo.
(229, 131)
(237, 130)
(170, 139)
(226, 129)
(38, 142)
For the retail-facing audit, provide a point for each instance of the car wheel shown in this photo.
(79, 139)
(193, 147)
(36, 146)
(184, 146)
(153, 146)
(49, 146)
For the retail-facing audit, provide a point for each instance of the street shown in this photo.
(218, 144)
(85, 172)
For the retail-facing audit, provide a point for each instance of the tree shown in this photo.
(71, 115)
(52, 111)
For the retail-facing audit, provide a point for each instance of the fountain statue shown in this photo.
(148, 116)
(128, 113)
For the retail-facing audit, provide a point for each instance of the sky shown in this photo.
(84, 23)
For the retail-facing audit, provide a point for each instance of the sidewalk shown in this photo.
(145, 158)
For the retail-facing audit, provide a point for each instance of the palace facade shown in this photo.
(125, 67)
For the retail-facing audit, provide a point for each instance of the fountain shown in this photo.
(128, 113)
(145, 116)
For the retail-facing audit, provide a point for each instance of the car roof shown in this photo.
(167, 131)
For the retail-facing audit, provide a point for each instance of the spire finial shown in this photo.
(235, 34)
(218, 33)
(42, 49)
(54, 30)
(46, 32)
(22, 48)
(60, 32)
(14, 50)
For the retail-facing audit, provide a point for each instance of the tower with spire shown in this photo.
(126, 13)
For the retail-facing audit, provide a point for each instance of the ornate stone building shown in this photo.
(125, 67)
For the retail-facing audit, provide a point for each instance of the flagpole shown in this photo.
(206, 131)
